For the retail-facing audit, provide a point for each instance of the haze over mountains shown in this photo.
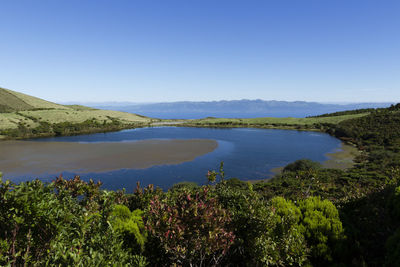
(232, 109)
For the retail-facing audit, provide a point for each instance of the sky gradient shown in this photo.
(170, 50)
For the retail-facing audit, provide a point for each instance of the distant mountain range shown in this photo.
(233, 109)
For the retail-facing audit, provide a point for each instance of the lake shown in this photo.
(248, 154)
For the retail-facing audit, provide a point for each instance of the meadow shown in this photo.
(270, 122)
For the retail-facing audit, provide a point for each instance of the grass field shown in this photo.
(56, 116)
(31, 118)
(12, 120)
(275, 121)
(21, 110)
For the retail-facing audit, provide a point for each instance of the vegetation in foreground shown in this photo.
(306, 216)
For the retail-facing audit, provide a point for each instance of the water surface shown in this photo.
(36, 158)
(248, 154)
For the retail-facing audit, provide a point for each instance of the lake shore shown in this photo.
(35, 158)
(342, 158)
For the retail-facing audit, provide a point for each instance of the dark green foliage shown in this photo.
(394, 203)
(368, 223)
(184, 186)
(236, 183)
(302, 165)
(393, 250)
(381, 128)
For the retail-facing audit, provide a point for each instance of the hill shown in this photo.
(14, 101)
(24, 116)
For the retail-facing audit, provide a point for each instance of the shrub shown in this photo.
(266, 233)
(182, 186)
(282, 243)
(190, 227)
(393, 250)
(394, 203)
(302, 165)
(321, 227)
(131, 227)
(63, 223)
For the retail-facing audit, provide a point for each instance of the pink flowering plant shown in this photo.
(191, 227)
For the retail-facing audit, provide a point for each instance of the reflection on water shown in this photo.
(248, 154)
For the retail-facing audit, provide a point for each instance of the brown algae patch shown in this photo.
(35, 158)
(343, 158)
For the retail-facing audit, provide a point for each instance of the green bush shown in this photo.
(249, 219)
(394, 203)
(282, 243)
(265, 233)
(393, 250)
(182, 186)
(302, 165)
(131, 227)
(321, 227)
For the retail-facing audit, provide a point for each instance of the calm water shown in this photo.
(247, 153)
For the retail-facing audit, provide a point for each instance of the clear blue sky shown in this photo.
(169, 50)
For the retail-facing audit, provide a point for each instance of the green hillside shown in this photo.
(9, 102)
(14, 101)
(23, 116)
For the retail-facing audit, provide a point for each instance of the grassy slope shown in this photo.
(9, 102)
(17, 109)
(18, 101)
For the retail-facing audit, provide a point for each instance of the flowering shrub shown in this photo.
(190, 227)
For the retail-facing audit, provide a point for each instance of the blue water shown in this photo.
(248, 154)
